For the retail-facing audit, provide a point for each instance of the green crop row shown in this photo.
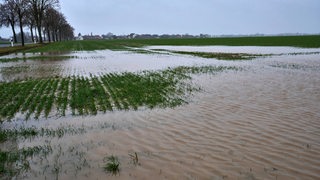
(90, 95)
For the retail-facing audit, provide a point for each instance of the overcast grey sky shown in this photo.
(213, 17)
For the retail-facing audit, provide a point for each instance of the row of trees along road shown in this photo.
(41, 15)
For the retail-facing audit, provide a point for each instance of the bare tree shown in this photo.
(39, 14)
(56, 26)
(8, 17)
(20, 8)
(51, 21)
(30, 22)
(67, 32)
(64, 31)
(38, 9)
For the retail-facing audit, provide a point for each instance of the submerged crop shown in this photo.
(216, 55)
(108, 92)
(51, 58)
(14, 162)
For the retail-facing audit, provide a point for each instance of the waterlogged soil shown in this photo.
(258, 123)
(88, 63)
(237, 49)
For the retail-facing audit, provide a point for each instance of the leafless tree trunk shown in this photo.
(35, 34)
(19, 7)
(48, 34)
(21, 30)
(8, 18)
(14, 32)
(31, 31)
(44, 35)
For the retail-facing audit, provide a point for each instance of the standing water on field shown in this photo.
(261, 122)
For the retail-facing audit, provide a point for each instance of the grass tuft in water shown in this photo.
(112, 165)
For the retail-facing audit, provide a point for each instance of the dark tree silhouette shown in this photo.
(20, 7)
(39, 14)
(38, 8)
(8, 17)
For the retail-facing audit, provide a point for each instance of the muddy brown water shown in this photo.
(95, 63)
(259, 123)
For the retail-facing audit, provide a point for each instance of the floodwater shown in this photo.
(259, 123)
(95, 63)
(238, 49)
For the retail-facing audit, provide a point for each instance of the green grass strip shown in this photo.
(308, 41)
(9, 50)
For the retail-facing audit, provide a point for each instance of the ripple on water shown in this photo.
(262, 123)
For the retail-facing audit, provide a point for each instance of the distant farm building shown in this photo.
(91, 37)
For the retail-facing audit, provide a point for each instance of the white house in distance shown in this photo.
(79, 37)
(88, 37)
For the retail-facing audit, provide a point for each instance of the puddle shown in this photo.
(261, 123)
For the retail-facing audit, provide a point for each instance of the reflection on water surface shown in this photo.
(261, 123)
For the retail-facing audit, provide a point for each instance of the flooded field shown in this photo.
(261, 121)
(86, 63)
(239, 49)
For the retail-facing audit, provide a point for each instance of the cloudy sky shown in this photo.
(215, 17)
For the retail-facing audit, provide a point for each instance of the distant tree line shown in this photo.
(42, 17)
